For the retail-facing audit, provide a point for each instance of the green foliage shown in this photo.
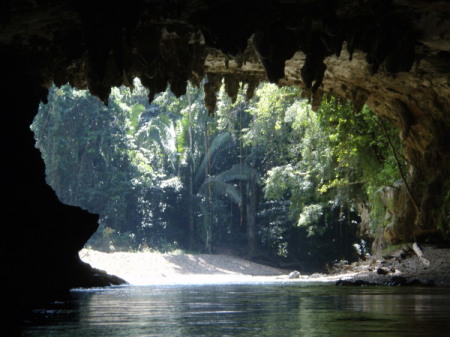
(360, 146)
(158, 172)
(216, 186)
(219, 141)
(84, 146)
(268, 128)
(136, 112)
(310, 217)
(332, 159)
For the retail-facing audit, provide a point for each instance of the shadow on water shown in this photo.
(44, 318)
(246, 310)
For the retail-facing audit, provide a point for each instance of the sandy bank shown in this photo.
(154, 268)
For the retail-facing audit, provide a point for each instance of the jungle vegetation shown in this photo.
(266, 176)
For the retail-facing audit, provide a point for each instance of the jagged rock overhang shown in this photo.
(92, 45)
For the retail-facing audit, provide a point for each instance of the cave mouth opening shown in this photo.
(266, 178)
(36, 48)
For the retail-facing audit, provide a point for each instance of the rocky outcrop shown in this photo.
(393, 55)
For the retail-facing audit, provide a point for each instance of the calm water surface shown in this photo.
(245, 310)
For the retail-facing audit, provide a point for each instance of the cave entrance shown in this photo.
(267, 177)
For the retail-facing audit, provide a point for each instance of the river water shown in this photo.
(281, 309)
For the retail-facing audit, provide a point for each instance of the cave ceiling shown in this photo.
(393, 55)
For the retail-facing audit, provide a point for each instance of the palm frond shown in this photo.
(217, 187)
(239, 172)
(218, 141)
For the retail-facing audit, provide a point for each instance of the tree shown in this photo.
(84, 146)
(222, 185)
(141, 164)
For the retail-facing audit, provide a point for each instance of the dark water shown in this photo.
(245, 310)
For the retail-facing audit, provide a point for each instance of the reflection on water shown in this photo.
(246, 310)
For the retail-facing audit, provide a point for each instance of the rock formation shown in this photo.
(393, 55)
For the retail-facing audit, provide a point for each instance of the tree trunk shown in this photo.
(190, 209)
(191, 182)
(208, 230)
(251, 217)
